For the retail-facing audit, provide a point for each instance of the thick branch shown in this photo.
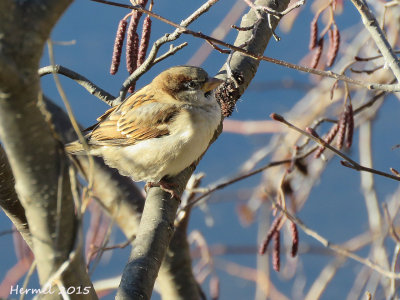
(240, 62)
(123, 201)
(159, 213)
(372, 25)
(9, 201)
(155, 231)
(35, 155)
(176, 279)
(117, 194)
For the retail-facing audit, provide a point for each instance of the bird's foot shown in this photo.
(149, 185)
(165, 186)
(169, 187)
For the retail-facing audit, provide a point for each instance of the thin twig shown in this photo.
(371, 101)
(242, 28)
(368, 72)
(395, 261)
(209, 191)
(82, 80)
(358, 58)
(116, 246)
(336, 248)
(252, 6)
(183, 29)
(151, 59)
(292, 7)
(172, 50)
(389, 221)
(348, 162)
(9, 231)
(224, 51)
(372, 25)
(27, 279)
(280, 14)
(71, 116)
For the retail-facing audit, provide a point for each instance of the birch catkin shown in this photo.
(334, 43)
(119, 42)
(144, 41)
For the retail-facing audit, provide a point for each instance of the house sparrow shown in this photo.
(160, 130)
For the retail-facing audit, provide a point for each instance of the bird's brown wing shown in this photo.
(139, 117)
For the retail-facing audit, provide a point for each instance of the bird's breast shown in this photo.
(200, 121)
(190, 133)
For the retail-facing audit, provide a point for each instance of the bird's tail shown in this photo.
(75, 148)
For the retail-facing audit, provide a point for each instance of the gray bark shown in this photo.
(150, 248)
(36, 156)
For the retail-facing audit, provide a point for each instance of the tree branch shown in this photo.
(155, 231)
(36, 157)
(81, 80)
(372, 25)
(338, 249)
(246, 51)
(159, 213)
(9, 201)
(120, 197)
(347, 162)
(152, 58)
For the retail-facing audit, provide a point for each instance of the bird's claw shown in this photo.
(165, 186)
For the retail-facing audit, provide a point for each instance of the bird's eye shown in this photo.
(191, 85)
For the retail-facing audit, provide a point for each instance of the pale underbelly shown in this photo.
(153, 159)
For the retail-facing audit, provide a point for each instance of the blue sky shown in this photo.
(92, 26)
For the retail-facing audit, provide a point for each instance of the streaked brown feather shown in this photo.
(107, 113)
(139, 117)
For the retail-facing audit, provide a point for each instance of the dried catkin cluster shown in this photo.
(276, 255)
(313, 32)
(344, 130)
(132, 46)
(328, 139)
(274, 227)
(317, 53)
(144, 42)
(295, 239)
(346, 127)
(227, 94)
(135, 50)
(334, 43)
(349, 125)
(274, 234)
(119, 42)
(317, 41)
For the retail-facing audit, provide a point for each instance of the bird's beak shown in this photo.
(211, 84)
